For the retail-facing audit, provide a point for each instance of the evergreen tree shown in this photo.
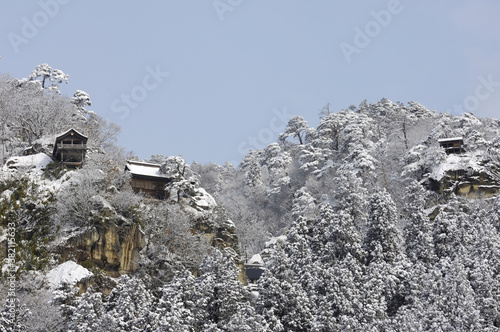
(222, 293)
(297, 128)
(418, 229)
(86, 313)
(382, 238)
(278, 163)
(128, 305)
(177, 309)
(283, 302)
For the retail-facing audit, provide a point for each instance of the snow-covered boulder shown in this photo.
(203, 200)
(36, 162)
(68, 273)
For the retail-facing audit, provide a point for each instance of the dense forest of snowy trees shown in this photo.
(380, 233)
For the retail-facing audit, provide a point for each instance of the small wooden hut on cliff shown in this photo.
(70, 148)
(453, 145)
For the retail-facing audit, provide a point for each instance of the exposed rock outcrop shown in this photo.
(471, 175)
(111, 247)
(466, 182)
(221, 233)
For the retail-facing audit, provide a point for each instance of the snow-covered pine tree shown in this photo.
(282, 301)
(382, 239)
(418, 229)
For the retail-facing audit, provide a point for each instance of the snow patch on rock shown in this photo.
(68, 273)
(203, 199)
(34, 162)
(455, 162)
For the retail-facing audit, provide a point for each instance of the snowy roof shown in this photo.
(256, 260)
(68, 131)
(144, 169)
(450, 139)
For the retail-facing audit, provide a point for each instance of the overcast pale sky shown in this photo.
(211, 79)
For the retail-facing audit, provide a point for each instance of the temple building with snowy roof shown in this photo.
(147, 179)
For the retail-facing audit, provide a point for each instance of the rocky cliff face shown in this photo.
(467, 182)
(107, 230)
(112, 247)
(114, 244)
(474, 174)
(221, 233)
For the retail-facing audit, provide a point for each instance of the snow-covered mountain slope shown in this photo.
(375, 227)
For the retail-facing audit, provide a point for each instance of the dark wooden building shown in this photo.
(70, 148)
(146, 178)
(453, 145)
(254, 268)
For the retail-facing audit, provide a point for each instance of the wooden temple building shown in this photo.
(454, 145)
(70, 148)
(146, 178)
